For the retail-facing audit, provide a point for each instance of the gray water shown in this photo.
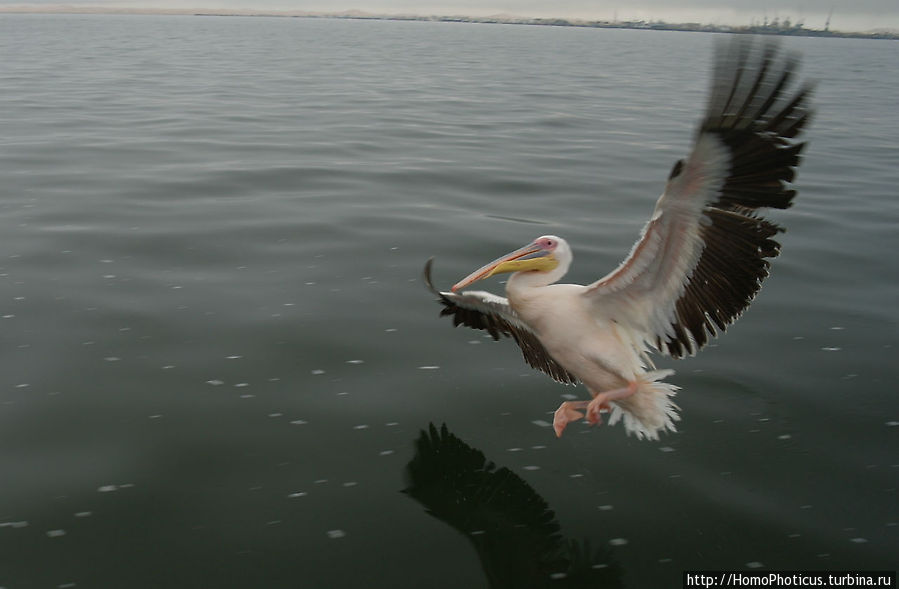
(217, 354)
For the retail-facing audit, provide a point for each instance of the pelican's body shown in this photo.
(697, 265)
(589, 346)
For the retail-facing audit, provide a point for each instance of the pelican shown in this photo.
(698, 263)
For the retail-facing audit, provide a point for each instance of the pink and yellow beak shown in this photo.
(529, 257)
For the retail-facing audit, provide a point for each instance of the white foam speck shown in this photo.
(84, 514)
(618, 541)
(428, 367)
(297, 494)
(234, 357)
(541, 423)
(892, 423)
(754, 565)
(336, 534)
(299, 422)
(784, 437)
(215, 383)
(666, 449)
(606, 507)
(107, 488)
(859, 540)
(831, 349)
(317, 372)
(532, 467)
(112, 358)
(355, 361)
(385, 452)
(55, 533)
(360, 426)
(350, 484)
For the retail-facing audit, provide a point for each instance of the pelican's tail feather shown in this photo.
(650, 410)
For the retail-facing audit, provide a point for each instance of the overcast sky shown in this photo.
(847, 14)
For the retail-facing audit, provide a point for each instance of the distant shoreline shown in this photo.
(786, 29)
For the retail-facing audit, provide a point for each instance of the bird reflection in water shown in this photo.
(511, 527)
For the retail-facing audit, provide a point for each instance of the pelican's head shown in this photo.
(547, 254)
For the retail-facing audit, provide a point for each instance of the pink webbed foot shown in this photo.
(566, 413)
(593, 412)
(601, 402)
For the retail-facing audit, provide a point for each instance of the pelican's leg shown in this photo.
(601, 401)
(567, 411)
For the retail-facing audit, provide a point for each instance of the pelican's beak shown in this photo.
(529, 257)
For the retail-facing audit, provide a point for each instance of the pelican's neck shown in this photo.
(521, 283)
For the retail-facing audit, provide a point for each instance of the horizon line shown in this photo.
(502, 18)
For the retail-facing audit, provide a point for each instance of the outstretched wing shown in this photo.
(482, 310)
(703, 255)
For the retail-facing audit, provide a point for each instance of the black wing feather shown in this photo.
(750, 114)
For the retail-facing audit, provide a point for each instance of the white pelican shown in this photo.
(697, 265)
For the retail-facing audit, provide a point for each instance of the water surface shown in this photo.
(218, 356)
